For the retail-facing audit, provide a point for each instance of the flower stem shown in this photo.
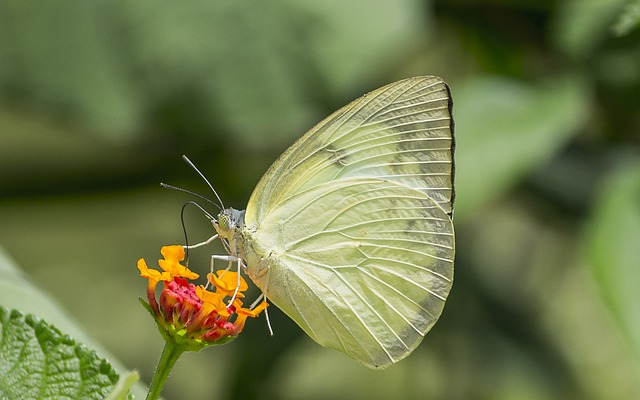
(168, 358)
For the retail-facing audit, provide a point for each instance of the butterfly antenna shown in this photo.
(179, 189)
(184, 229)
(184, 226)
(192, 165)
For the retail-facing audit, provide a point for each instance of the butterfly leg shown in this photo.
(210, 240)
(230, 259)
(214, 257)
(240, 266)
(263, 295)
(235, 292)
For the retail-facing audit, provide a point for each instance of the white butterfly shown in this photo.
(350, 231)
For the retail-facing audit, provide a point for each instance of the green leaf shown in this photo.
(17, 292)
(582, 25)
(38, 362)
(629, 19)
(614, 250)
(505, 128)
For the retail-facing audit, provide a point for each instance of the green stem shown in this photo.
(170, 355)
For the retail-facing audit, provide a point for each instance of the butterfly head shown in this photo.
(229, 221)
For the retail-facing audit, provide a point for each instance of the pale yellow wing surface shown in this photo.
(363, 265)
(402, 132)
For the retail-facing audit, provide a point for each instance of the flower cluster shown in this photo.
(192, 315)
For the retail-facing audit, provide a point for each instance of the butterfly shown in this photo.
(350, 231)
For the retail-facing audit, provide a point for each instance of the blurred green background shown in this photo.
(98, 101)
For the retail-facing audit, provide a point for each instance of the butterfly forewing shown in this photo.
(402, 132)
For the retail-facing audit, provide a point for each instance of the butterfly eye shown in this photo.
(223, 221)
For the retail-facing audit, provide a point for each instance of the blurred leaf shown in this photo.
(620, 69)
(38, 362)
(65, 55)
(614, 248)
(234, 62)
(113, 65)
(37, 155)
(629, 19)
(304, 373)
(17, 292)
(582, 25)
(352, 42)
(529, 262)
(505, 129)
(124, 386)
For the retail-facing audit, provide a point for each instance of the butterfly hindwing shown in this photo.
(362, 265)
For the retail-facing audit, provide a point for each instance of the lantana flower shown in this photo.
(191, 315)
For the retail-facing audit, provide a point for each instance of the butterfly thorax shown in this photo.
(238, 238)
(229, 225)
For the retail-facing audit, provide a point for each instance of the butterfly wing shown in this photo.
(401, 132)
(372, 292)
(363, 265)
